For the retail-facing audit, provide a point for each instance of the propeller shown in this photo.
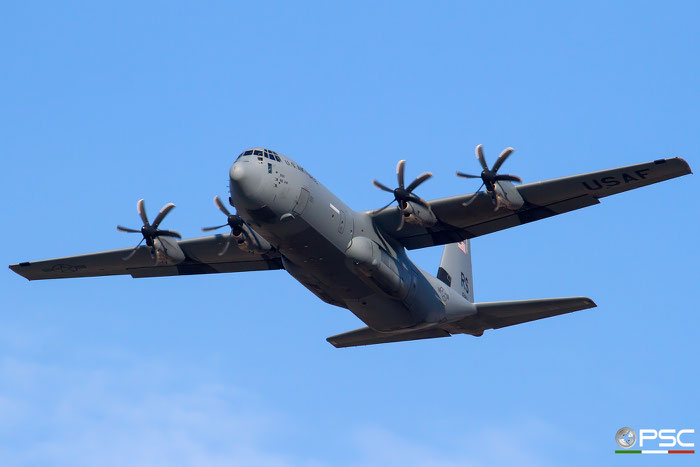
(489, 177)
(232, 220)
(403, 194)
(149, 231)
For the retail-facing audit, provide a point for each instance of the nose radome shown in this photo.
(237, 172)
(245, 182)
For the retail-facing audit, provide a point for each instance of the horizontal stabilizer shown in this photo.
(496, 315)
(368, 336)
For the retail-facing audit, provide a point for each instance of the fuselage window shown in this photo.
(269, 168)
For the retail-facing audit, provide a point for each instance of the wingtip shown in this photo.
(686, 167)
(336, 344)
(16, 268)
(690, 171)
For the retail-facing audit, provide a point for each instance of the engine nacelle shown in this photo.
(378, 269)
(167, 251)
(414, 213)
(508, 196)
(249, 240)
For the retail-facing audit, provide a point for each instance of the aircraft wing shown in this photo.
(542, 199)
(201, 257)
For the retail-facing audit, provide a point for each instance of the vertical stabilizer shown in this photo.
(456, 268)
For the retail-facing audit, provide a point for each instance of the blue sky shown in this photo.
(106, 104)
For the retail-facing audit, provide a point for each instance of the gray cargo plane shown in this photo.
(285, 219)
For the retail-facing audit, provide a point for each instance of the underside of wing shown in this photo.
(201, 257)
(457, 222)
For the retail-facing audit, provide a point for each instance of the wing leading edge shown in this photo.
(542, 199)
(201, 257)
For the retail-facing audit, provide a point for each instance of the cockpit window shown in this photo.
(257, 152)
(248, 153)
(278, 158)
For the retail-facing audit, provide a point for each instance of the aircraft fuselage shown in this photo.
(337, 253)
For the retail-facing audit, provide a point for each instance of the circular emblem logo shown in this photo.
(625, 437)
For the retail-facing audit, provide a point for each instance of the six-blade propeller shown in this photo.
(489, 177)
(150, 231)
(232, 220)
(403, 194)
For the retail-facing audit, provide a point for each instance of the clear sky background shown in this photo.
(103, 105)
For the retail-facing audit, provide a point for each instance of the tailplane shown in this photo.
(497, 315)
(489, 315)
(456, 268)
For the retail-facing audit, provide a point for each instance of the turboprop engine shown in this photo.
(417, 214)
(413, 208)
(503, 193)
(245, 238)
(167, 252)
(161, 243)
(249, 240)
(378, 269)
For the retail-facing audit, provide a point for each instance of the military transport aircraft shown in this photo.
(285, 219)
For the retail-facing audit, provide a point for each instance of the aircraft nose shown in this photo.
(245, 181)
(237, 172)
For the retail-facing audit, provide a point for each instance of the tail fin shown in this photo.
(456, 268)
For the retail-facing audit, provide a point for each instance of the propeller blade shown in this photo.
(415, 183)
(161, 215)
(502, 158)
(463, 175)
(480, 156)
(133, 252)
(399, 172)
(225, 249)
(473, 197)
(381, 186)
(220, 205)
(374, 213)
(167, 233)
(126, 229)
(508, 178)
(141, 208)
(402, 222)
(209, 229)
